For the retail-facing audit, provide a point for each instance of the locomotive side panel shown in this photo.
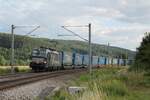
(54, 61)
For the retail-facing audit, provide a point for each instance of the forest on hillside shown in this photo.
(25, 44)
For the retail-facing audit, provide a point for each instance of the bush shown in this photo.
(16, 69)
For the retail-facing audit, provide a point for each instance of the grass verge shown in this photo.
(109, 84)
(4, 70)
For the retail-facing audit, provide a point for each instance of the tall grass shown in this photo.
(110, 84)
(92, 94)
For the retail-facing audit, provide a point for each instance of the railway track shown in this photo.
(15, 75)
(14, 81)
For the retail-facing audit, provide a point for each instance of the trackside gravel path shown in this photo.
(38, 89)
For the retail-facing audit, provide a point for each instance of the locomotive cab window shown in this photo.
(39, 53)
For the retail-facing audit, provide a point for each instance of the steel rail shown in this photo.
(7, 84)
(15, 75)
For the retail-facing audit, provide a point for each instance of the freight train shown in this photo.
(47, 59)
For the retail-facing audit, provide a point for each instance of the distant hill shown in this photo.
(25, 44)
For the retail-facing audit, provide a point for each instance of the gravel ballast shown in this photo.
(37, 89)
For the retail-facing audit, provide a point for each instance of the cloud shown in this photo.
(112, 20)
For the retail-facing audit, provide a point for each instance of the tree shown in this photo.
(2, 60)
(142, 60)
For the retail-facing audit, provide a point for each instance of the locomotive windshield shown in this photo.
(39, 53)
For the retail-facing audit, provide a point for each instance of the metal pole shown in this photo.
(89, 40)
(90, 50)
(126, 57)
(121, 58)
(12, 43)
(12, 49)
(108, 54)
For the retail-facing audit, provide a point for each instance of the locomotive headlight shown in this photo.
(44, 62)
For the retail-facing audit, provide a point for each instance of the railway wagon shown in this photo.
(122, 62)
(102, 61)
(77, 60)
(129, 62)
(85, 60)
(114, 61)
(108, 61)
(95, 61)
(67, 60)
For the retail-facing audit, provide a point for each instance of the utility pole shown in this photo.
(12, 49)
(126, 58)
(88, 40)
(121, 57)
(12, 43)
(108, 53)
(90, 49)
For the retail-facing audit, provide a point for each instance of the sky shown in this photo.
(121, 23)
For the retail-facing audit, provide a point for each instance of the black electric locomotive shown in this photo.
(45, 59)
